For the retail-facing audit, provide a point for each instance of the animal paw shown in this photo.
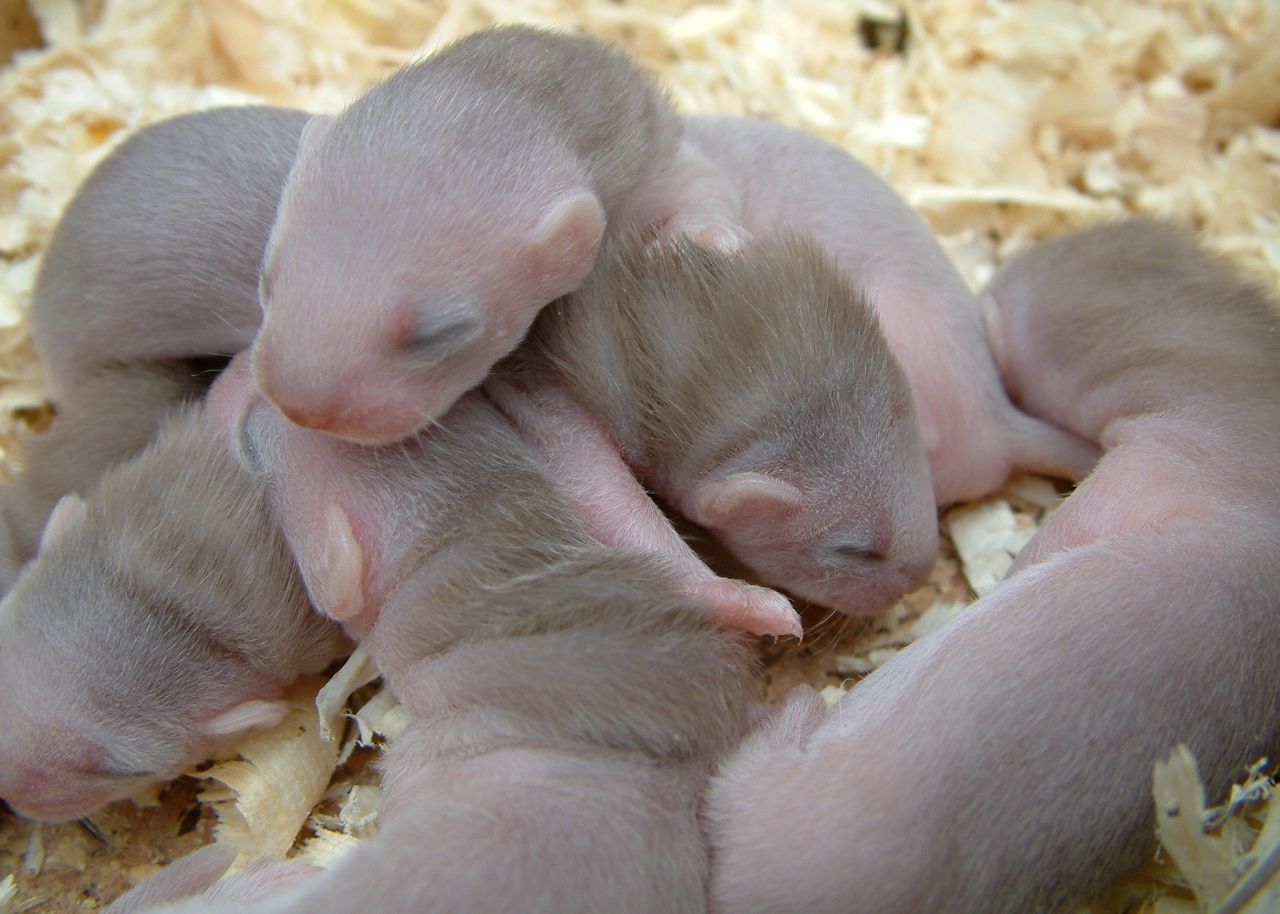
(754, 609)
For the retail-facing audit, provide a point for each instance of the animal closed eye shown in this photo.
(856, 550)
(441, 335)
(246, 449)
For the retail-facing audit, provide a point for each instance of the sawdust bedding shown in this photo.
(1002, 122)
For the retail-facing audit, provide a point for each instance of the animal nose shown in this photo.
(320, 418)
(298, 397)
(309, 412)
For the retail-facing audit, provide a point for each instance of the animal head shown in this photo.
(840, 512)
(399, 271)
(773, 397)
(103, 689)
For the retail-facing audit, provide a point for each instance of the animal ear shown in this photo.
(245, 718)
(744, 499)
(67, 513)
(562, 246)
(334, 578)
(316, 128)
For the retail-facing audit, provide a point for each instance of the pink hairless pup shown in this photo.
(1004, 763)
(423, 228)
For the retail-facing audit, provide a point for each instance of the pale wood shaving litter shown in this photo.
(1004, 123)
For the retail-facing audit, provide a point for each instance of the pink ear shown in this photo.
(742, 500)
(562, 246)
(69, 511)
(334, 578)
(316, 128)
(245, 718)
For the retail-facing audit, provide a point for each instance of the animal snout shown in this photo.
(322, 418)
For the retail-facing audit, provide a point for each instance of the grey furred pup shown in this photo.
(160, 619)
(114, 413)
(756, 393)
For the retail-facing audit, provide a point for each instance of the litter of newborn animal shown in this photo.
(568, 675)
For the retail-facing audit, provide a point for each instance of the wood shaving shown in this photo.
(264, 797)
(381, 718)
(1226, 857)
(1003, 122)
(1203, 859)
(331, 700)
(987, 536)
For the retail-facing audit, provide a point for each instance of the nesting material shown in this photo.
(1002, 122)
(1227, 857)
(263, 797)
(987, 536)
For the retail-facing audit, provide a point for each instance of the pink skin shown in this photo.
(342, 537)
(377, 388)
(939, 783)
(193, 873)
(567, 703)
(352, 539)
(603, 490)
(973, 435)
(421, 231)
(1004, 763)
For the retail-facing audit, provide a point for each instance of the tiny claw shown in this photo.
(756, 610)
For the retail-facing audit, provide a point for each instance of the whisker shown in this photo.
(94, 831)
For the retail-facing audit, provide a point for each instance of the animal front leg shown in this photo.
(699, 201)
(585, 463)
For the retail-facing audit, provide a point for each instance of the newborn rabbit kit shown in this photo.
(991, 177)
